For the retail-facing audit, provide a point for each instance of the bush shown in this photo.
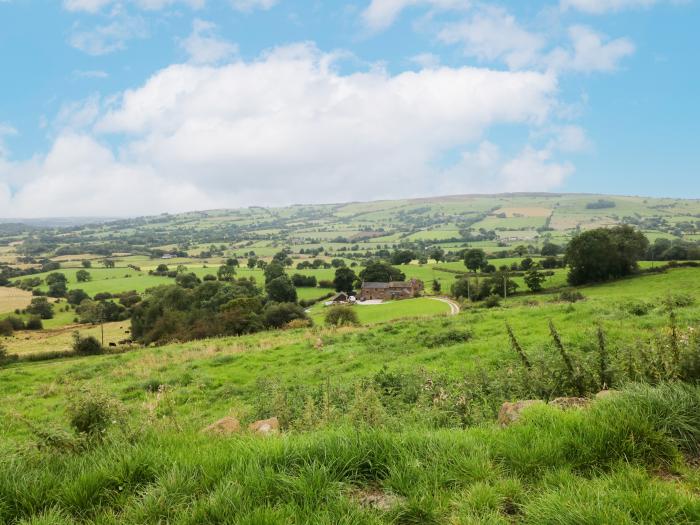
(86, 345)
(341, 315)
(637, 308)
(325, 283)
(16, 322)
(34, 323)
(6, 329)
(279, 315)
(679, 301)
(571, 296)
(92, 413)
(492, 301)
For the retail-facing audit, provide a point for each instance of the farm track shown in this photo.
(454, 307)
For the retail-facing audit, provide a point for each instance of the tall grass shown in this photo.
(549, 468)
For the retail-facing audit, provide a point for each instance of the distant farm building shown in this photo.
(341, 298)
(391, 290)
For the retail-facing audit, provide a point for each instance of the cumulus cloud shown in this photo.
(250, 5)
(107, 38)
(95, 6)
(598, 7)
(204, 47)
(380, 14)
(287, 127)
(491, 34)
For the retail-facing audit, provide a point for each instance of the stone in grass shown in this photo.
(570, 402)
(224, 427)
(376, 499)
(265, 427)
(510, 412)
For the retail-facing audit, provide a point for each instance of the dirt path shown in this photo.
(454, 307)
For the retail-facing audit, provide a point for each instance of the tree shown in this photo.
(56, 277)
(278, 315)
(526, 263)
(337, 263)
(83, 276)
(381, 272)
(86, 263)
(273, 271)
(76, 296)
(534, 279)
(281, 290)
(108, 263)
(475, 259)
(86, 345)
(437, 253)
(603, 254)
(550, 249)
(341, 316)
(42, 307)
(437, 287)
(521, 250)
(344, 280)
(225, 273)
(187, 280)
(462, 287)
(402, 256)
(252, 262)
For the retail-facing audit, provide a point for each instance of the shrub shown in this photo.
(449, 337)
(42, 307)
(86, 345)
(298, 323)
(16, 322)
(571, 296)
(679, 301)
(638, 308)
(278, 315)
(92, 413)
(34, 323)
(6, 328)
(492, 301)
(325, 283)
(341, 315)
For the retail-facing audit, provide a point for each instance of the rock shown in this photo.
(265, 427)
(224, 427)
(570, 402)
(376, 499)
(606, 393)
(510, 412)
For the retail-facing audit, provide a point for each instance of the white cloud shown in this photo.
(107, 38)
(204, 47)
(380, 14)
(491, 33)
(250, 5)
(598, 7)
(92, 73)
(486, 169)
(590, 51)
(426, 60)
(95, 6)
(286, 128)
(5, 131)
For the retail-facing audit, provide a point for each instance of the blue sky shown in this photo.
(123, 107)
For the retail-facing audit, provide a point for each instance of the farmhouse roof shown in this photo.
(383, 286)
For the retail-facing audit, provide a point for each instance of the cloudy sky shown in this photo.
(131, 107)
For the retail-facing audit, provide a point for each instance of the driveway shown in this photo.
(454, 307)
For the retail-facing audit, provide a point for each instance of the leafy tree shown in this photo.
(76, 296)
(86, 345)
(56, 277)
(437, 254)
(281, 290)
(42, 307)
(344, 280)
(462, 288)
(300, 280)
(402, 256)
(86, 263)
(108, 263)
(187, 280)
(526, 263)
(225, 272)
(603, 254)
(273, 271)
(534, 279)
(252, 262)
(381, 272)
(83, 276)
(280, 314)
(232, 261)
(521, 250)
(550, 249)
(475, 259)
(437, 287)
(337, 263)
(341, 316)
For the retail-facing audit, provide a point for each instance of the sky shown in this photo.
(139, 107)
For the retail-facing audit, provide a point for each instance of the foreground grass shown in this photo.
(619, 461)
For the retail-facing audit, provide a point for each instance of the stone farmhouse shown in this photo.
(391, 290)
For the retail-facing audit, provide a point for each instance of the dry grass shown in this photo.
(56, 339)
(13, 298)
(525, 212)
